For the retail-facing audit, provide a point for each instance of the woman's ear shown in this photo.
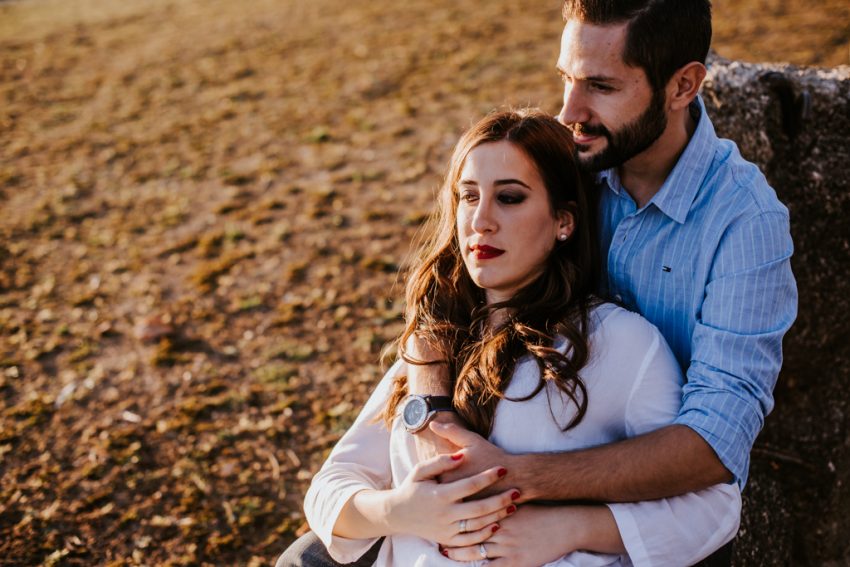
(566, 223)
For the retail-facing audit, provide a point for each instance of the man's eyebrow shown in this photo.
(593, 78)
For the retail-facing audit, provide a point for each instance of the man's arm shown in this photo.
(667, 462)
(750, 303)
(430, 379)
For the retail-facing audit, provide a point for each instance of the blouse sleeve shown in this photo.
(359, 461)
(685, 529)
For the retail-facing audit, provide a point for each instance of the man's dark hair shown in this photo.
(662, 35)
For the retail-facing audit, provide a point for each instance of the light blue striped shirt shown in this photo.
(707, 261)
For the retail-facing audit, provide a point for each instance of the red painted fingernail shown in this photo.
(444, 552)
(457, 456)
(502, 472)
(496, 528)
(515, 495)
(511, 509)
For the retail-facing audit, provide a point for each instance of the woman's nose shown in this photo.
(482, 218)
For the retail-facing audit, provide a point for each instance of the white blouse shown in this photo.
(633, 386)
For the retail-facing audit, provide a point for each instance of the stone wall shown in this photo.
(795, 124)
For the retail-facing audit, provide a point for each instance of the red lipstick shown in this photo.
(484, 252)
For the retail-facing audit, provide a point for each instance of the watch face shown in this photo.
(415, 411)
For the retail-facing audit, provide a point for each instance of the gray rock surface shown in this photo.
(795, 124)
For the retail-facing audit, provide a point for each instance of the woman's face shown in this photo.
(505, 223)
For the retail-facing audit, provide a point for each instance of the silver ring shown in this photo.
(463, 526)
(482, 551)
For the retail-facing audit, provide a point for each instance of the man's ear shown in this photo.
(566, 222)
(684, 85)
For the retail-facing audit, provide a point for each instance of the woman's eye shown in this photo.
(511, 198)
(468, 197)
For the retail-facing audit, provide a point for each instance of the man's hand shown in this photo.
(479, 455)
(667, 462)
(429, 444)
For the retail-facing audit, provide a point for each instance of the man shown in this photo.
(693, 239)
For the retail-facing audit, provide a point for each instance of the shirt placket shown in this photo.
(618, 252)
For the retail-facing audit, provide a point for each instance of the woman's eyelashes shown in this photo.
(511, 197)
(504, 197)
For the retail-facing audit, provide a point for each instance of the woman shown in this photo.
(501, 299)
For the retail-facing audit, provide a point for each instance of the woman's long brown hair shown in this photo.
(447, 310)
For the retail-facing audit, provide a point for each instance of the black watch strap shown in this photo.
(439, 403)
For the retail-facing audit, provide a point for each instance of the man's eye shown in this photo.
(600, 87)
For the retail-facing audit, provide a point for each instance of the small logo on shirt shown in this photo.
(666, 269)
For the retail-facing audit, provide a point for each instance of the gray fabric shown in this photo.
(720, 558)
(309, 551)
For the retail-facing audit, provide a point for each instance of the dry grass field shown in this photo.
(205, 206)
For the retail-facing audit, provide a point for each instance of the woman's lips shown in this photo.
(484, 252)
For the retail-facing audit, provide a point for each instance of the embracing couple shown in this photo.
(593, 329)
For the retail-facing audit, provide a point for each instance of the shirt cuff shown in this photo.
(728, 423)
(341, 549)
(630, 534)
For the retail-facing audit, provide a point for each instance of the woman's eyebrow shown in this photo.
(498, 182)
(511, 182)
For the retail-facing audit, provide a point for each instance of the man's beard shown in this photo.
(628, 141)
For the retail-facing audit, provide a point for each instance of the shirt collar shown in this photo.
(679, 190)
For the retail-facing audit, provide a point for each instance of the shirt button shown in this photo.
(618, 297)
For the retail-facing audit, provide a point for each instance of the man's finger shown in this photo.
(455, 434)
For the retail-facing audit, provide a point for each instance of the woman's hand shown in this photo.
(422, 507)
(537, 535)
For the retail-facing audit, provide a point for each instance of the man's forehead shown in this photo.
(589, 50)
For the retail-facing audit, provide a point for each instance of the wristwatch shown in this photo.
(418, 411)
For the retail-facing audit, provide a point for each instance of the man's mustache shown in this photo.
(589, 130)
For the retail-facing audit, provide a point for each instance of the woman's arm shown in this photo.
(359, 461)
(537, 535)
(422, 507)
(351, 503)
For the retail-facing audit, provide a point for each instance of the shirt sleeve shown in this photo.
(685, 529)
(359, 461)
(750, 302)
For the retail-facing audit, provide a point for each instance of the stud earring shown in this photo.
(562, 237)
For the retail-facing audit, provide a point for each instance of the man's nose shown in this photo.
(574, 108)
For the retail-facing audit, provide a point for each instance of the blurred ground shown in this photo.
(204, 209)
